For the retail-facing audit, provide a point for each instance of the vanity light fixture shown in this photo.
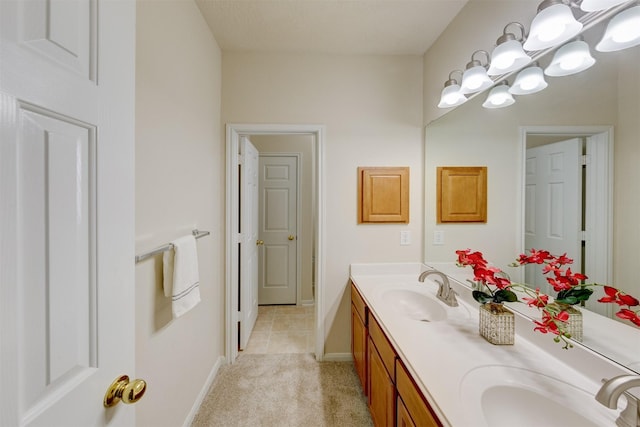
(530, 80)
(570, 59)
(596, 5)
(499, 97)
(623, 31)
(508, 54)
(475, 78)
(451, 95)
(554, 24)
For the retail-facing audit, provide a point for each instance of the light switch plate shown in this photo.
(438, 237)
(405, 238)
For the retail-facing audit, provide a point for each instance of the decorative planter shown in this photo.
(574, 324)
(497, 324)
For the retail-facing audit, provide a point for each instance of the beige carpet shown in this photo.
(284, 390)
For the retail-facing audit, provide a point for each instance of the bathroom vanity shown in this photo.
(423, 363)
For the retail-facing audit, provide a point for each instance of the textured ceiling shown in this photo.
(329, 26)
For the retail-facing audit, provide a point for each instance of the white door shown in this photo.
(249, 246)
(553, 204)
(66, 210)
(278, 229)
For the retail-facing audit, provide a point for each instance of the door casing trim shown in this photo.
(233, 133)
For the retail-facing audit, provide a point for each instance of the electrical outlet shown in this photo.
(405, 238)
(438, 237)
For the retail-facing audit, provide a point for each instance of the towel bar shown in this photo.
(196, 233)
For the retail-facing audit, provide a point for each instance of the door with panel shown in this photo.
(66, 211)
(553, 200)
(250, 243)
(278, 223)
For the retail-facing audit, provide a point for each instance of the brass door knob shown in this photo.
(259, 242)
(291, 237)
(123, 389)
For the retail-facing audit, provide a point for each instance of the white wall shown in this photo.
(372, 109)
(179, 185)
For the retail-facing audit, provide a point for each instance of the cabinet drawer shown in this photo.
(415, 403)
(387, 354)
(359, 304)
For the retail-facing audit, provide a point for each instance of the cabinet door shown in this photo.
(382, 391)
(417, 408)
(403, 418)
(359, 347)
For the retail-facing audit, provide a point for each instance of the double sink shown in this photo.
(488, 385)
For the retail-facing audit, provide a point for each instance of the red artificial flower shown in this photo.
(610, 296)
(466, 257)
(629, 315)
(535, 257)
(549, 322)
(620, 298)
(563, 260)
(540, 300)
(627, 300)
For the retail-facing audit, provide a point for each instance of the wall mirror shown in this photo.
(600, 107)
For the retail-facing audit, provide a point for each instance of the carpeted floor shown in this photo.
(284, 390)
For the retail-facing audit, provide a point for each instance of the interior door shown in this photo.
(553, 204)
(66, 210)
(278, 229)
(250, 243)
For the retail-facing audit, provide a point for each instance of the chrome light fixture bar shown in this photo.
(596, 5)
(508, 54)
(451, 95)
(528, 81)
(499, 96)
(623, 31)
(475, 78)
(553, 25)
(571, 58)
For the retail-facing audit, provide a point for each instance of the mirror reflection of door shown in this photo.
(277, 265)
(553, 204)
(566, 205)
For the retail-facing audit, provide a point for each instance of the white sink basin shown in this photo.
(414, 305)
(501, 396)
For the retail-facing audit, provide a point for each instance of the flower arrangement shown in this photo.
(496, 287)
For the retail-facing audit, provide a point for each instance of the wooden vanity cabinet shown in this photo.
(413, 409)
(381, 379)
(359, 336)
(392, 396)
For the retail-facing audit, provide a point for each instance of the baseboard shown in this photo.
(307, 302)
(337, 357)
(205, 390)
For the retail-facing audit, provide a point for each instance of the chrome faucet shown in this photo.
(445, 293)
(610, 392)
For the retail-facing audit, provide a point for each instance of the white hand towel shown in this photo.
(181, 278)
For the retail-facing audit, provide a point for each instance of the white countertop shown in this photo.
(444, 356)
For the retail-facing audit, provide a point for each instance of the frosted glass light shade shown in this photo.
(530, 80)
(570, 59)
(475, 79)
(552, 26)
(507, 57)
(623, 31)
(499, 97)
(595, 5)
(451, 97)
